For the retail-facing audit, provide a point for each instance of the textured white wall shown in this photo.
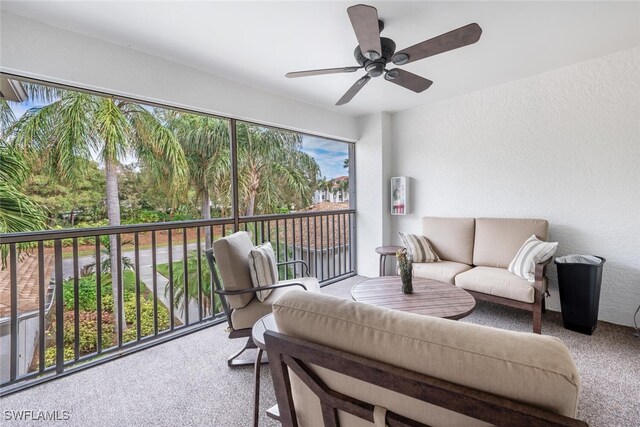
(564, 145)
(372, 190)
(40, 51)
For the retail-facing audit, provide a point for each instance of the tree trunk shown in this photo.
(251, 203)
(254, 184)
(113, 212)
(206, 214)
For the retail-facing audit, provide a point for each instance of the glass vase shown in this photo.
(406, 278)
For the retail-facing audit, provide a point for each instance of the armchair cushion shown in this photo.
(263, 268)
(232, 254)
(532, 252)
(247, 316)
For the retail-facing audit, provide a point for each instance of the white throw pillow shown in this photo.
(263, 268)
(418, 248)
(532, 252)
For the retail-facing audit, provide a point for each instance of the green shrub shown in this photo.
(146, 318)
(50, 355)
(87, 336)
(107, 303)
(87, 292)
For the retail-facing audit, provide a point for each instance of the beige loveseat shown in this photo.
(348, 360)
(475, 254)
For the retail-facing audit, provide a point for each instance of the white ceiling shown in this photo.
(258, 42)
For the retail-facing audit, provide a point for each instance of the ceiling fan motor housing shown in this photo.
(376, 67)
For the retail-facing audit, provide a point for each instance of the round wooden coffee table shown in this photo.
(429, 297)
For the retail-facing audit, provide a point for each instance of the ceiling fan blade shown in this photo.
(460, 37)
(353, 90)
(407, 80)
(322, 72)
(364, 20)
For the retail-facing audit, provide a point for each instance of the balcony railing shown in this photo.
(57, 312)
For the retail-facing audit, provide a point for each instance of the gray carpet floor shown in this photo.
(186, 382)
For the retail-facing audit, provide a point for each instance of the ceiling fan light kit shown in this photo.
(373, 52)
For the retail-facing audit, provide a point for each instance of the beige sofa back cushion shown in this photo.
(232, 257)
(497, 240)
(451, 238)
(529, 368)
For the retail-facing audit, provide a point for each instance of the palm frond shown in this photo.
(17, 212)
(156, 143)
(6, 116)
(113, 130)
(13, 170)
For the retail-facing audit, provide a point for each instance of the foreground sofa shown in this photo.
(475, 254)
(339, 362)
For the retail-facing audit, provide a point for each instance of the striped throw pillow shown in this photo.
(418, 248)
(532, 252)
(263, 268)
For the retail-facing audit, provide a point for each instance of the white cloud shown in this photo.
(329, 155)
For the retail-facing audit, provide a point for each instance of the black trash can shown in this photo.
(579, 280)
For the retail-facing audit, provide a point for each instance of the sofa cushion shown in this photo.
(497, 240)
(263, 268)
(247, 316)
(451, 238)
(532, 252)
(418, 248)
(498, 282)
(443, 271)
(533, 369)
(232, 258)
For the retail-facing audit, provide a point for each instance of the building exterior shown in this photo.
(336, 191)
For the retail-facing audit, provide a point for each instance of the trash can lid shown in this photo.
(579, 259)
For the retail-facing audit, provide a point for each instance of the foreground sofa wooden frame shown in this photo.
(288, 353)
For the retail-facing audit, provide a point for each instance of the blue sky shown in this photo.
(20, 108)
(330, 155)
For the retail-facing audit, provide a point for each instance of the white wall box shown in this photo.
(400, 190)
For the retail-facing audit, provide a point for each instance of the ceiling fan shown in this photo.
(374, 52)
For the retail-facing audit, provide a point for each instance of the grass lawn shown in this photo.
(164, 268)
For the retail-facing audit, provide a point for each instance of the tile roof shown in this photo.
(27, 284)
(334, 230)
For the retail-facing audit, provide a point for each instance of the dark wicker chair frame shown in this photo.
(246, 332)
(296, 355)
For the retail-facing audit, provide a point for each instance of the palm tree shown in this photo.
(205, 142)
(76, 125)
(17, 211)
(179, 301)
(343, 188)
(273, 171)
(105, 259)
(325, 186)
